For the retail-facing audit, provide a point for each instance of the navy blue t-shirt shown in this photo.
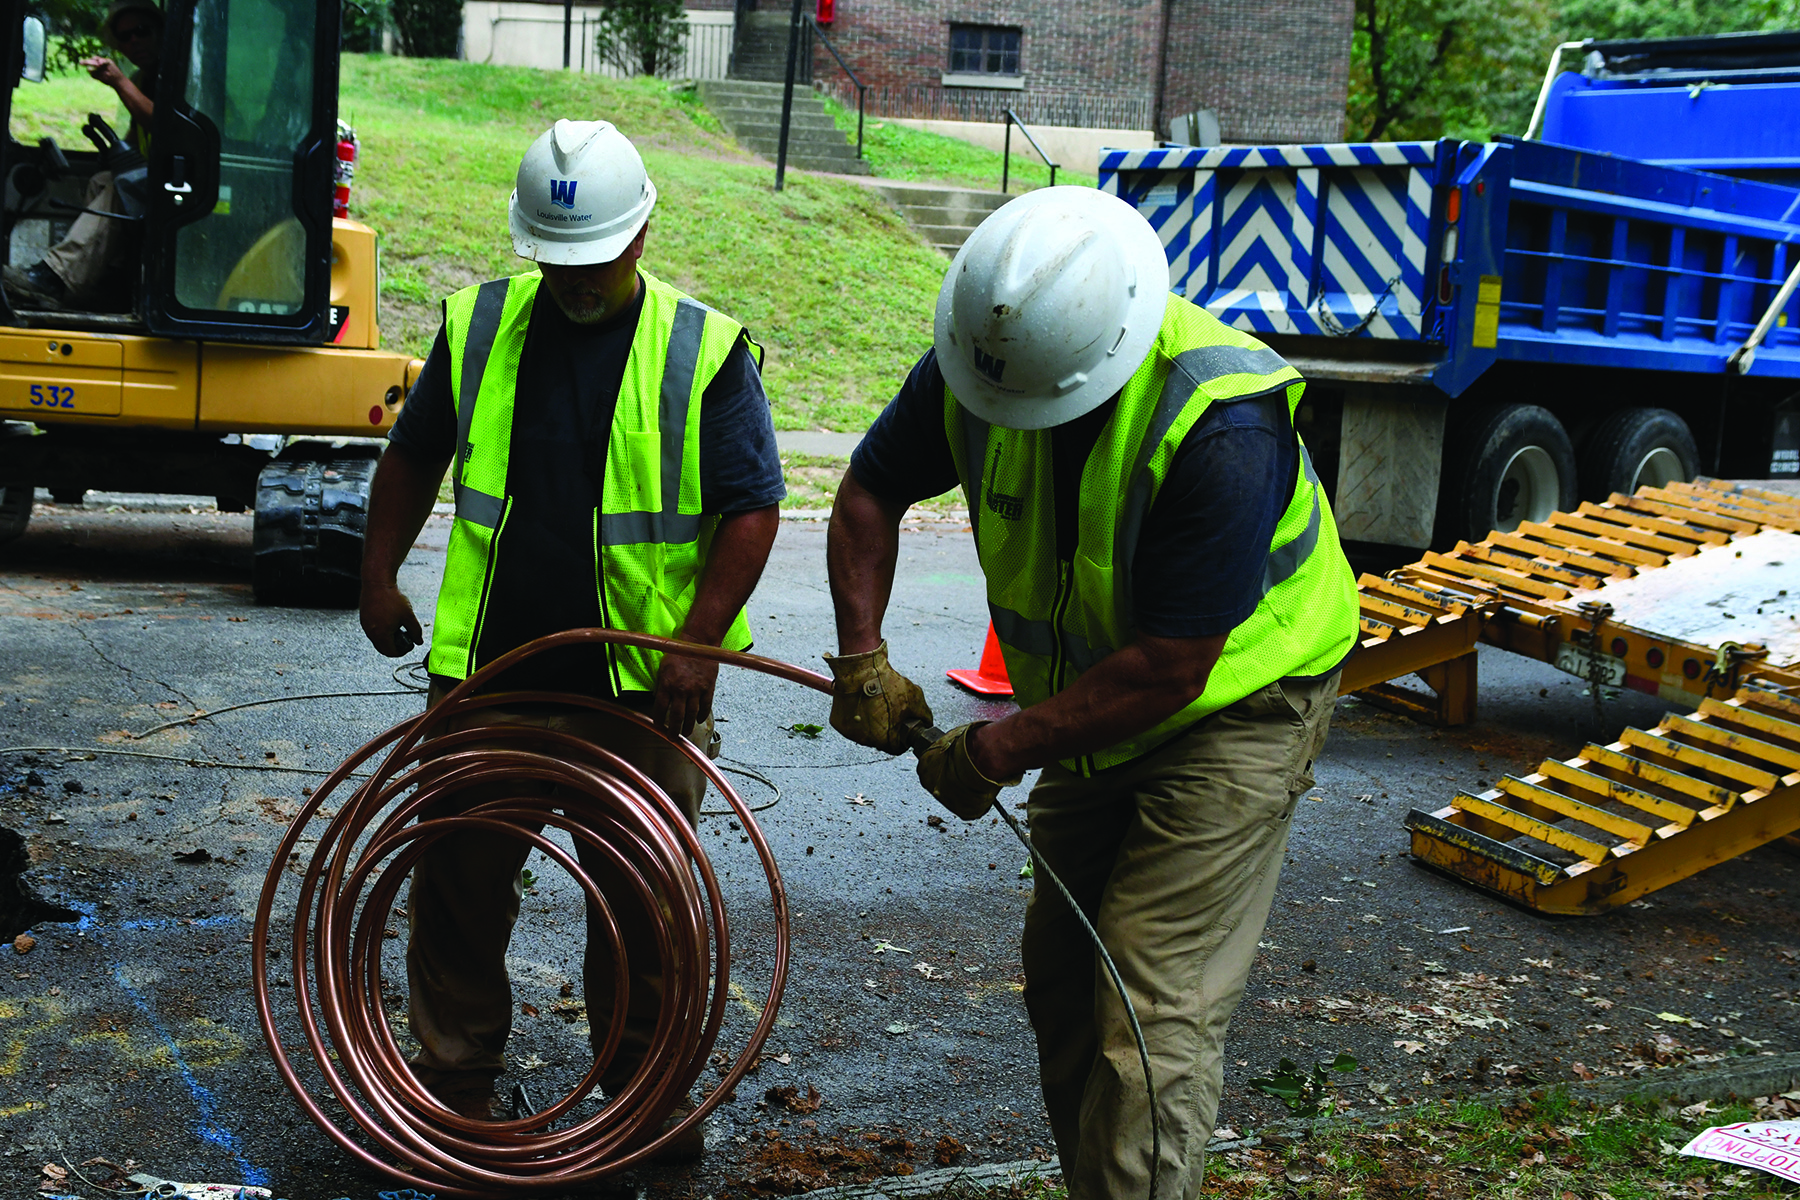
(1204, 544)
(568, 386)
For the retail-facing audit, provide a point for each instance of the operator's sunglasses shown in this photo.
(135, 33)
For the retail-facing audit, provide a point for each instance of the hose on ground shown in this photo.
(541, 777)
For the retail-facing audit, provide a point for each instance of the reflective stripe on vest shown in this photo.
(1056, 619)
(650, 537)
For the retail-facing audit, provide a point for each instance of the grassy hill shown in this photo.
(826, 276)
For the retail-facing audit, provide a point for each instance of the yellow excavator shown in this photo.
(246, 362)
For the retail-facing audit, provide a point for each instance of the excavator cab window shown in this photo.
(238, 243)
(228, 232)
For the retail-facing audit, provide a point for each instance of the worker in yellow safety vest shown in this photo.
(1165, 580)
(614, 465)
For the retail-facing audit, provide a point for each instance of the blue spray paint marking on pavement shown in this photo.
(211, 1128)
(195, 923)
(90, 920)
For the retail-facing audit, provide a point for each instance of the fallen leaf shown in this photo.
(1225, 1133)
(898, 1028)
(790, 1098)
(882, 946)
(927, 970)
(530, 1010)
(24, 943)
(1582, 1070)
(532, 1062)
(859, 798)
(1457, 929)
(1411, 1047)
(1678, 1019)
(948, 1150)
(53, 1171)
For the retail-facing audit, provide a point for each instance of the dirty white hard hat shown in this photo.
(582, 195)
(1050, 306)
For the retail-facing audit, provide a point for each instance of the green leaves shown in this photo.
(804, 730)
(1303, 1094)
(1472, 68)
(642, 37)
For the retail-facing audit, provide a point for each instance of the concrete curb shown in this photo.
(1761, 1076)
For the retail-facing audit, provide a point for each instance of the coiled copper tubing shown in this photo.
(381, 828)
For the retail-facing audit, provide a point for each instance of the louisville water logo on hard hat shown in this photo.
(988, 365)
(562, 192)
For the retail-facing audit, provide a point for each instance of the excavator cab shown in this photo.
(234, 201)
(237, 352)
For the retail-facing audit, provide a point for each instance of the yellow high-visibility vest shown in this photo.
(650, 538)
(1055, 619)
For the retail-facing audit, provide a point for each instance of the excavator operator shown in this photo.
(74, 272)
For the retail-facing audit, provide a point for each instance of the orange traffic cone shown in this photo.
(989, 679)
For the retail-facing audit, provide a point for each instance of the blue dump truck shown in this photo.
(1494, 331)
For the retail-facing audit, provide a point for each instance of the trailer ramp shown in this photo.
(1689, 592)
(1684, 592)
(1587, 834)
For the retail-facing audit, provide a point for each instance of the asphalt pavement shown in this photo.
(132, 1034)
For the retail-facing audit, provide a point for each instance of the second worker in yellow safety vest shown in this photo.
(614, 464)
(1165, 580)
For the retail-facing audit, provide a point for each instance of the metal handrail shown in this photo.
(1012, 118)
(862, 89)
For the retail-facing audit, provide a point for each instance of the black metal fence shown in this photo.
(966, 104)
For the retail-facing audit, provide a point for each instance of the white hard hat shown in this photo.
(581, 196)
(1050, 306)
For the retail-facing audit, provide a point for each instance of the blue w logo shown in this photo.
(562, 192)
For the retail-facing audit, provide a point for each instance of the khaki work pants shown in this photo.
(81, 259)
(1174, 858)
(464, 901)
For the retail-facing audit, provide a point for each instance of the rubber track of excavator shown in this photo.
(310, 513)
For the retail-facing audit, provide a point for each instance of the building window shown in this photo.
(983, 50)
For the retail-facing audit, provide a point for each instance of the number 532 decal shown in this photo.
(49, 395)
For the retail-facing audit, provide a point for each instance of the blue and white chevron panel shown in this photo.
(1321, 239)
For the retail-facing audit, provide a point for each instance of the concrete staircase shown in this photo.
(761, 50)
(749, 104)
(944, 216)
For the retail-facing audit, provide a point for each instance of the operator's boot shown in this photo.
(36, 286)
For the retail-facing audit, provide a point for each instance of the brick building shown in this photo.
(1273, 70)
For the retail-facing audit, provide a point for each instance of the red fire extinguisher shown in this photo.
(344, 171)
(827, 11)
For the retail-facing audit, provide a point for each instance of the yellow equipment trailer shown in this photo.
(240, 354)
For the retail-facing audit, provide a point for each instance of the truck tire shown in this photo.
(1635, 447)
(15, 511)
(308, 531)
(1503, 464)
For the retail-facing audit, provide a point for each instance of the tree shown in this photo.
(428, 28)
(364, 23)
(1457, 68)
(74, 28)
(1609, 19)
(642, 37)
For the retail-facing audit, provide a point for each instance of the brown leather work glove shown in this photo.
(952, 777)
(871, 703)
